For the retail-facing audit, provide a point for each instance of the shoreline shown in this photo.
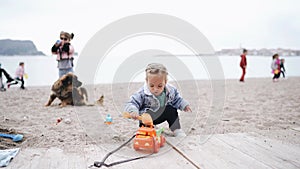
(197, 80)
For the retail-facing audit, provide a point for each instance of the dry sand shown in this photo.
(258, 106)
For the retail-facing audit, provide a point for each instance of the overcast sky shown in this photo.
(226, 23)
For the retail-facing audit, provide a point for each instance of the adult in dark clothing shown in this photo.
(8, 78)
(282, 69)
(243, 64)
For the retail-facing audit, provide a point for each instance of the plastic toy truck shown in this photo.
(147, 138)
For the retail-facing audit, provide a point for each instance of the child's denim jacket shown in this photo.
(143, 100)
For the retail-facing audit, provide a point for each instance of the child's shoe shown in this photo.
(179, 133)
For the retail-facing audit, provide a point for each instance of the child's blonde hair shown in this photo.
(156, 68)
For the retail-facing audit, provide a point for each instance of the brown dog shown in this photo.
(68, 90)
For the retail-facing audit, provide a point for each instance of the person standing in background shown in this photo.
(243, 65)
(282, 68)
(275, 66)
(64, 51)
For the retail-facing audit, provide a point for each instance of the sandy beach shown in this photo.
(258, 106)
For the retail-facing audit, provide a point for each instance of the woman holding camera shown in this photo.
(64, 51)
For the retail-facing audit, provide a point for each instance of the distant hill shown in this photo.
(10, 47)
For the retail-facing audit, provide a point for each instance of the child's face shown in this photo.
(64, 39)
(156, 83)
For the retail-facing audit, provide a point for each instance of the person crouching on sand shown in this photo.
(159, 99)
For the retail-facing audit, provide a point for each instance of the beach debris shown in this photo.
(58, 120)
(100, 101)
(7, 156)
(117, 138)
(25, 117)
(5, 119)
(108, 119)
(14, 137)
(67, 121)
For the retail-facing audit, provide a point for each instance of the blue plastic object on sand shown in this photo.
(14, 137)
(108, 118)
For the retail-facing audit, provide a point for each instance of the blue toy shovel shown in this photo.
(14, 137)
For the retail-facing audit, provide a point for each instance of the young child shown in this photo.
(275, 66)
(159, 99)
(20, 72)
(243, 64)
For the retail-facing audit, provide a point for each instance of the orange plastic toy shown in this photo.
(147, 138)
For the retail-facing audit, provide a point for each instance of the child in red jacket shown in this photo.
(243, 64)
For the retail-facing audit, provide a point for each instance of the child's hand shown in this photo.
(187, 109)
(58, 43)
(134, 115)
